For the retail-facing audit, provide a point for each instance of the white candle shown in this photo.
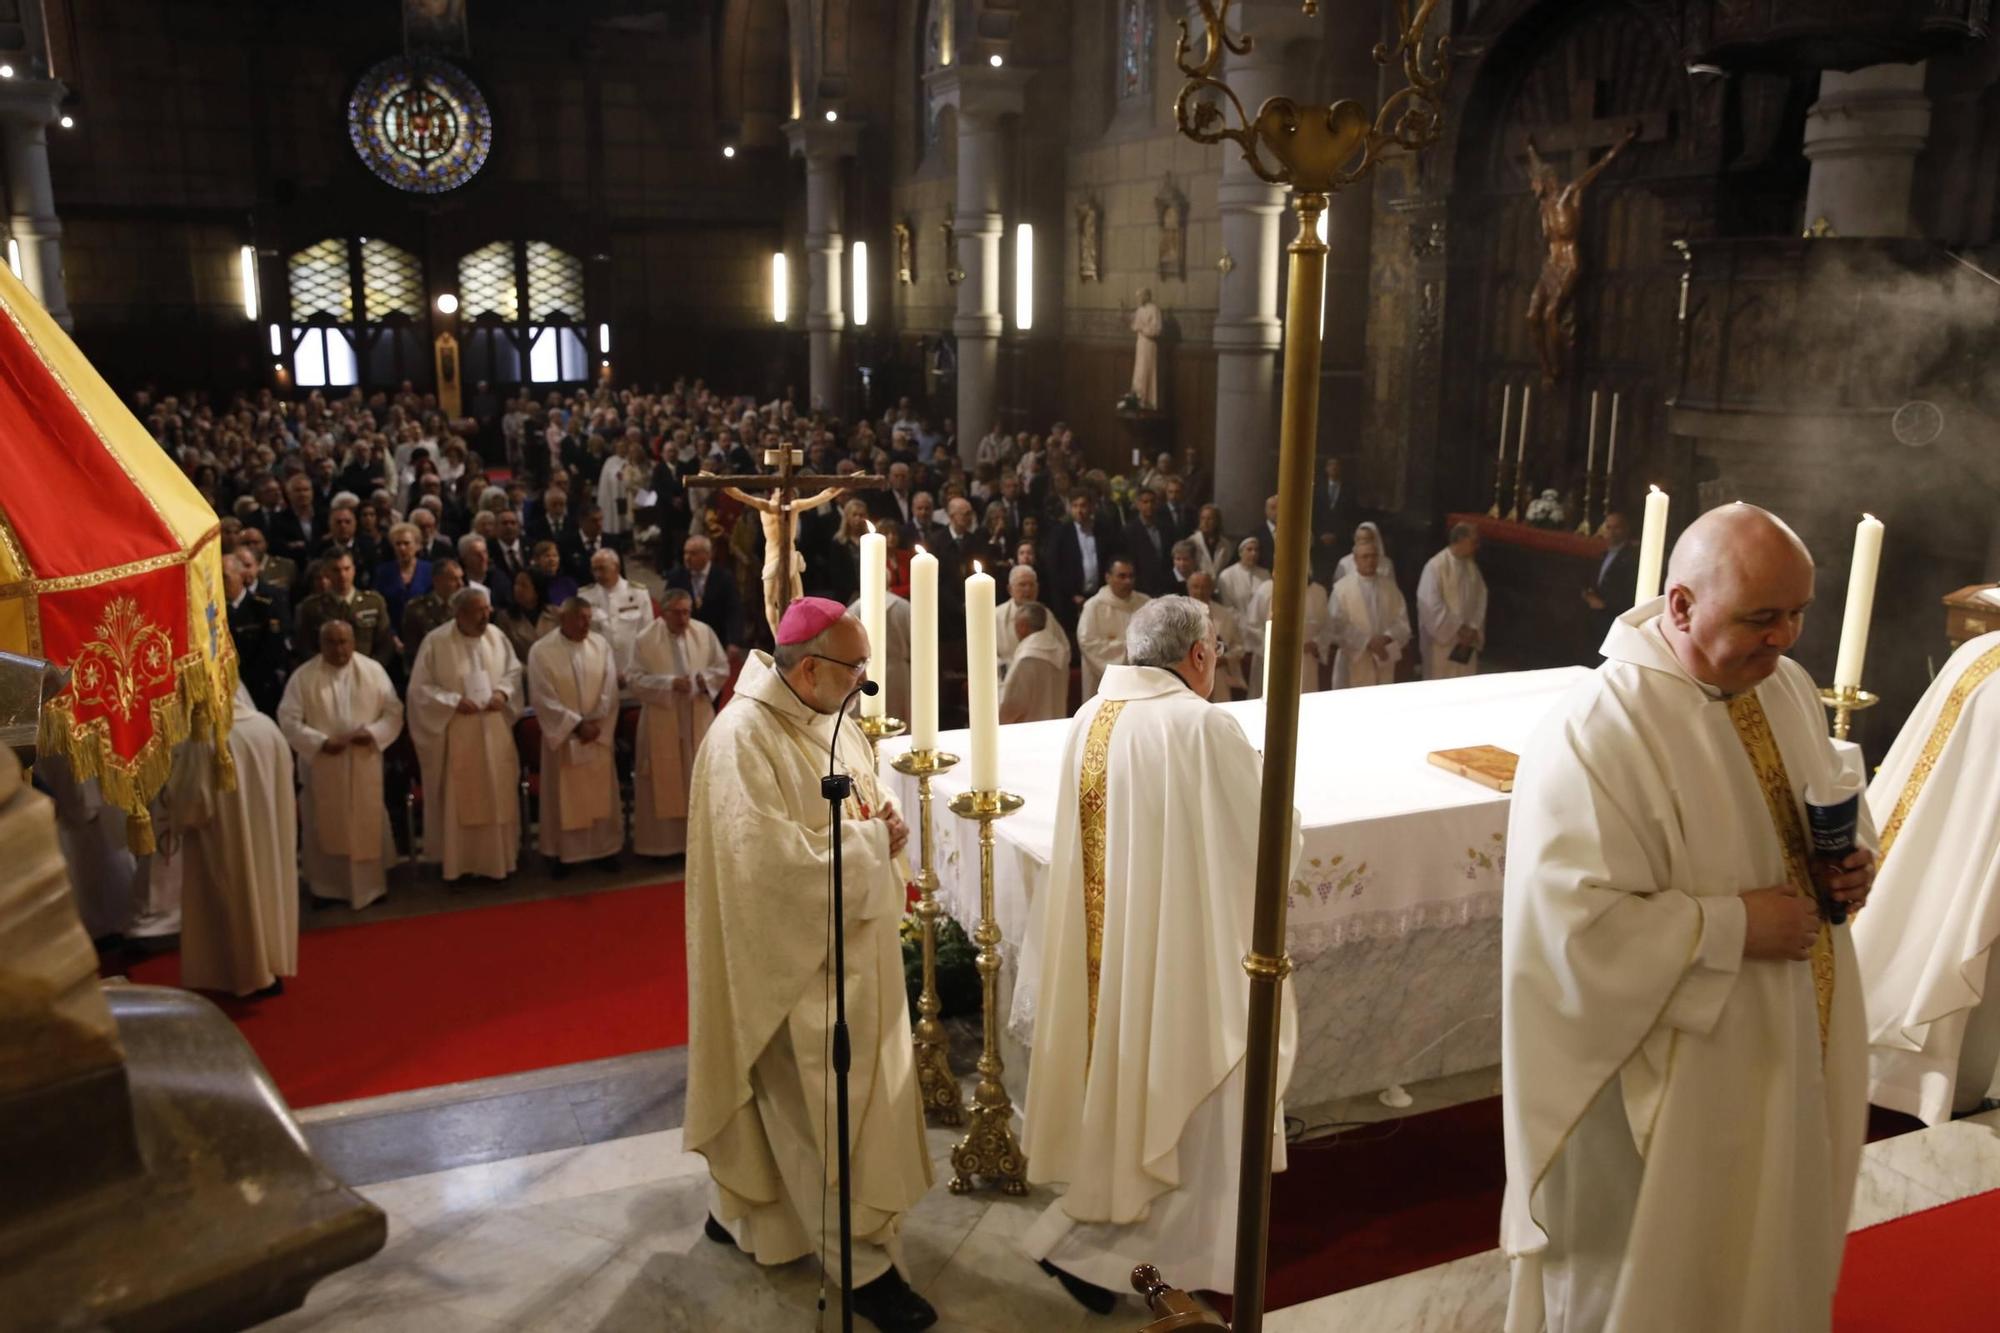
(1521, 450)
(1590, 452)
(1652, 547)
(1267, 660)
(1135, 458)
(1860, 602)
(1506, 410)
(874, 618)
(1611, 453)
(923, 650)
(982, 681)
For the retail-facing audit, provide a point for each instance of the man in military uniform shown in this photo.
(262, 655)
(364, 610)
(427, 612)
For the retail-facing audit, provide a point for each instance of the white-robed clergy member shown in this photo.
(1368, 620)
(1037, 684)
(1127, 956)
(1236, 586)
(619, 610)
(1024, 589)
(759, 1012)
(465, 691)
(895, 666)
(678, 672)
(239, 851)
(1451, 608)
(1310, 649)
(1682, 1046)
(573, 684)
(1100, 629)
(1928, 965)
(339, 713)
(1231, 653)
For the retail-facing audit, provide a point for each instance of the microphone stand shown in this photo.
(836, 788)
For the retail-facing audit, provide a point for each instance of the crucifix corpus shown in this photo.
(780, 510)
(1552, 307)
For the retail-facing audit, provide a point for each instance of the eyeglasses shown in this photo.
(857, 668)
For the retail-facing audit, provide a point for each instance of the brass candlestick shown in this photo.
(1520, 491)
(879, 729)
(942, 1100)
(989, 1148)
(1583, 528)
(1499, 488)
(1845, 701)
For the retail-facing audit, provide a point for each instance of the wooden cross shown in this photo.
(786, 485)
(1585, 132)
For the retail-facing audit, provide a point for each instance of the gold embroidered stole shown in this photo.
(1982, 667)
(1761, 746)
(1090, 802)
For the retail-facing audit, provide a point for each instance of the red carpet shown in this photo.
(1932, 1271)
(389, 1006)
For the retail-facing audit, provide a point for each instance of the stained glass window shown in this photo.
(322, 284)
(1135, 48)
(555, 282)
(392, 281)
(486, 283)
(421, 125)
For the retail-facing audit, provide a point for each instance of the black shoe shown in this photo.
(1096, 1299)
(890, 1305)
(718, 1233)
(270, 992)
(609, 865)
(557, 870)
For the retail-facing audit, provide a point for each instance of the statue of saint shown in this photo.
(1146, 323)
(1086, 242)
(1552, 307)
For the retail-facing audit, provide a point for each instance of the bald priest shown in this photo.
(759, 870)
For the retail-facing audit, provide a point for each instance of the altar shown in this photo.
(1393, 921)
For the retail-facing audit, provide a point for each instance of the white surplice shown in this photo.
(619, 613)
(1358, 610)
(471, 770)
(570, 683)
(344, 830)
(1037, 684)
(1451, 593)
(759, 967)
(1925, 941)
(671, 728)
(1259, 616)
(1140, 1114)
(240, 878)
(1100, 633)
(1681, 1155)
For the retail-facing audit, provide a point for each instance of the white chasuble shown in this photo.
(347, 846)
(1683, 1125)
(1451, 593)
(572, 682)
(671, 728)
(1100, 633)
(1358, 610)
(471, 770)
(759, 1020)
(1132, 965)
(1925, 942)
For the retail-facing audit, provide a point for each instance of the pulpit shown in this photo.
(1535, 577)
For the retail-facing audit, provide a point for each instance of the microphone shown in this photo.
(867, 687)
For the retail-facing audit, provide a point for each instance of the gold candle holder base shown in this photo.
(1520, 491)
(989, 1149)
(879, 729)
(1845, 702)
(1583, 528)
(1499, 488)
(943, 1102)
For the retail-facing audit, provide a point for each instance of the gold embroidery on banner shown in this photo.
(129, 654)
(72, 582)
(1090, 802)
(1982, 667)
(1754, 730)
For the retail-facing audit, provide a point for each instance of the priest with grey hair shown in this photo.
(1037, 684)
(1133, 957)
(573, 681)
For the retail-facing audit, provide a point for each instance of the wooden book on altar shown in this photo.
(1487, 765)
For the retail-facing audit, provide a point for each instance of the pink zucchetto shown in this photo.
(807, 618)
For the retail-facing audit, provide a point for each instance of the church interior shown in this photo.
(442, 433)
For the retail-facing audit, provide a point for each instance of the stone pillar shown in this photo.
(826, 146)
(27, 107)
(984, 97)
(1862, 138)
(1249, 333)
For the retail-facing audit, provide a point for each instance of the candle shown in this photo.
(1506, 410)
(1521, 451)
(1267, 659)
(1590, 453)
(923, 650)
(982, 681)
(1135, 458)
(874, 606)
(1611, 454)
(1652, 546)
(1860, 603)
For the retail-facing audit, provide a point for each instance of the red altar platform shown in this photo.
(1535, 579)
(1555, 540)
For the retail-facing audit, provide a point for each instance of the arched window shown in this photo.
(524, 303)
(1135, 48)
(322, 293)
(355, 307)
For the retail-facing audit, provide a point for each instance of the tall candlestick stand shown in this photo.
(879, 729)
(989, 1148)
(1583, 528)
(1499, 488)
(1845, 702)
(1520, 491)
(939, 1086)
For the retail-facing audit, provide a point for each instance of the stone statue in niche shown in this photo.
(953, 274)
(1552, 307)
(1147, 324)
(1086, 243)
(1173, 231)
(906, 253)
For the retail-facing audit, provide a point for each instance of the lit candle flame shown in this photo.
(976, 569)
(920, 548)
(1654, 490)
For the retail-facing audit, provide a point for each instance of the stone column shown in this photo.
(1248, 331)
(27, 107)
(1862, 138)
(826, 146)
(984, 97)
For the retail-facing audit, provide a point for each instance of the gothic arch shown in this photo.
(755, 83)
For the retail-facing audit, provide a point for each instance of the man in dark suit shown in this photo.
(1333, 518)
(259, 631)
(1078, 557)
(270, 503)
(550, 521)
(716, 601)
(509, 550)
(581, 543)
(1177, 517)
(342, 538)
(297, 528)
(898, 503)
(1011, 503)
(1610, 594)
(1148, 546)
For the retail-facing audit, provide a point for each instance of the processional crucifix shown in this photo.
(784, 486)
